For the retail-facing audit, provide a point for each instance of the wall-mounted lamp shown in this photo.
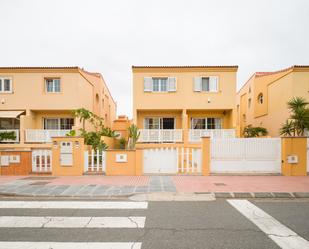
(2, 101)
(208, 100)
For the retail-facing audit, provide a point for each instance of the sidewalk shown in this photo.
(116, 186)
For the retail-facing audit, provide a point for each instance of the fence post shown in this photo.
(294, 147)
(205, 156)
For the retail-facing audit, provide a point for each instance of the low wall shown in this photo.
(124, 162)
(19, 162)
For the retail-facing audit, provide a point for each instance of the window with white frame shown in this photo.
(159, 123)
(206, 123)
(52, 85)
(159, 84)
(58, 123)
(206, 84)
(5, 85)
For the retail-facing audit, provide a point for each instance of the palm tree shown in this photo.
(299, 118)
(83, 115)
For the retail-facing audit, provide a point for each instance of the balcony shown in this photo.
(196, 134)
(16, 140)
(43, 136)
(160, 136)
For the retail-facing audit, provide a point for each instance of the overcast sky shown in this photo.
(111, 36)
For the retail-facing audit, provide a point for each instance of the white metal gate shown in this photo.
(172, 160)
(245, 155)
(95, 161)
(41, 161)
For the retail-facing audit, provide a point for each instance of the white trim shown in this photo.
(74, 204)
(279, 233)
(71, 222)
(69, 245)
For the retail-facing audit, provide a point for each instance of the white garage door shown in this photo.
(160, 161)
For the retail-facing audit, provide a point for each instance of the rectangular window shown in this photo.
(205, 84)
(58, 123)
(206, 123)
(159, 84)
(52, 85)
(159, 123)
(6, 85)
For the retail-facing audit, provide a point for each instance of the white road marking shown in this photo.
(75, 204)
(69, 245)
(279, 233)
(71, 222)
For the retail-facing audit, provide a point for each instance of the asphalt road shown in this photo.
(178, 225)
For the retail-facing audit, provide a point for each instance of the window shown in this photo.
(58, 123)
(249, 102)
(260, 98)
(5, 85)
(206, 84)
(52, 85)
(159, 123)
(206, 123)
(159, 84)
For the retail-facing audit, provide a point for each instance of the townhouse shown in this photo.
(262, 101)
(37, 103)
(179, 104)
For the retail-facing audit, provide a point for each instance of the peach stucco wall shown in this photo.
(278, 89)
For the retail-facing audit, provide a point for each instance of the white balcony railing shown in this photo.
(196, 134)
(160, 136)
(43, 136)
(16, 140)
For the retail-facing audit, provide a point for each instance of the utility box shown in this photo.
(66, 153)
(292, 159)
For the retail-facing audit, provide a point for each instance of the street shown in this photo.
(224, 223)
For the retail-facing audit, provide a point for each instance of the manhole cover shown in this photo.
(220, 184)
(39, 183)
(33, 178)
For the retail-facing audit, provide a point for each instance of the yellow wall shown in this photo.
(294, 146)
(278, 88)
(184, 98)
(133, 165)
(77, 169)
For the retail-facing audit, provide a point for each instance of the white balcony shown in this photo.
(196, 134)
(43, 136)
(160, 136)
(16, 140)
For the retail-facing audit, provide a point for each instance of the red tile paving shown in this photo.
(190, 184)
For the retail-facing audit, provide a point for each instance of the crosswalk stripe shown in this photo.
(74, 204)
(71, 222)
(280, 234)
(70, 245)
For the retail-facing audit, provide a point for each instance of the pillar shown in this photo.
(205, 156)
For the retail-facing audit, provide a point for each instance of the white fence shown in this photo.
(41, 161)
(245, 155)
(160, 136)
(172, 161)
(196, 134)
(95, 162)
(43, 136)
(16, 140)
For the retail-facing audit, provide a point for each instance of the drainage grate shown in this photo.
(220, 184)
(39, 183)
(34, 178)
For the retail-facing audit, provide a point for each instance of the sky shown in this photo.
(111, 36)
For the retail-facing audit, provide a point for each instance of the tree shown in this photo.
(250, 131)
(133, 136)
(83, 115)
(298, 122)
